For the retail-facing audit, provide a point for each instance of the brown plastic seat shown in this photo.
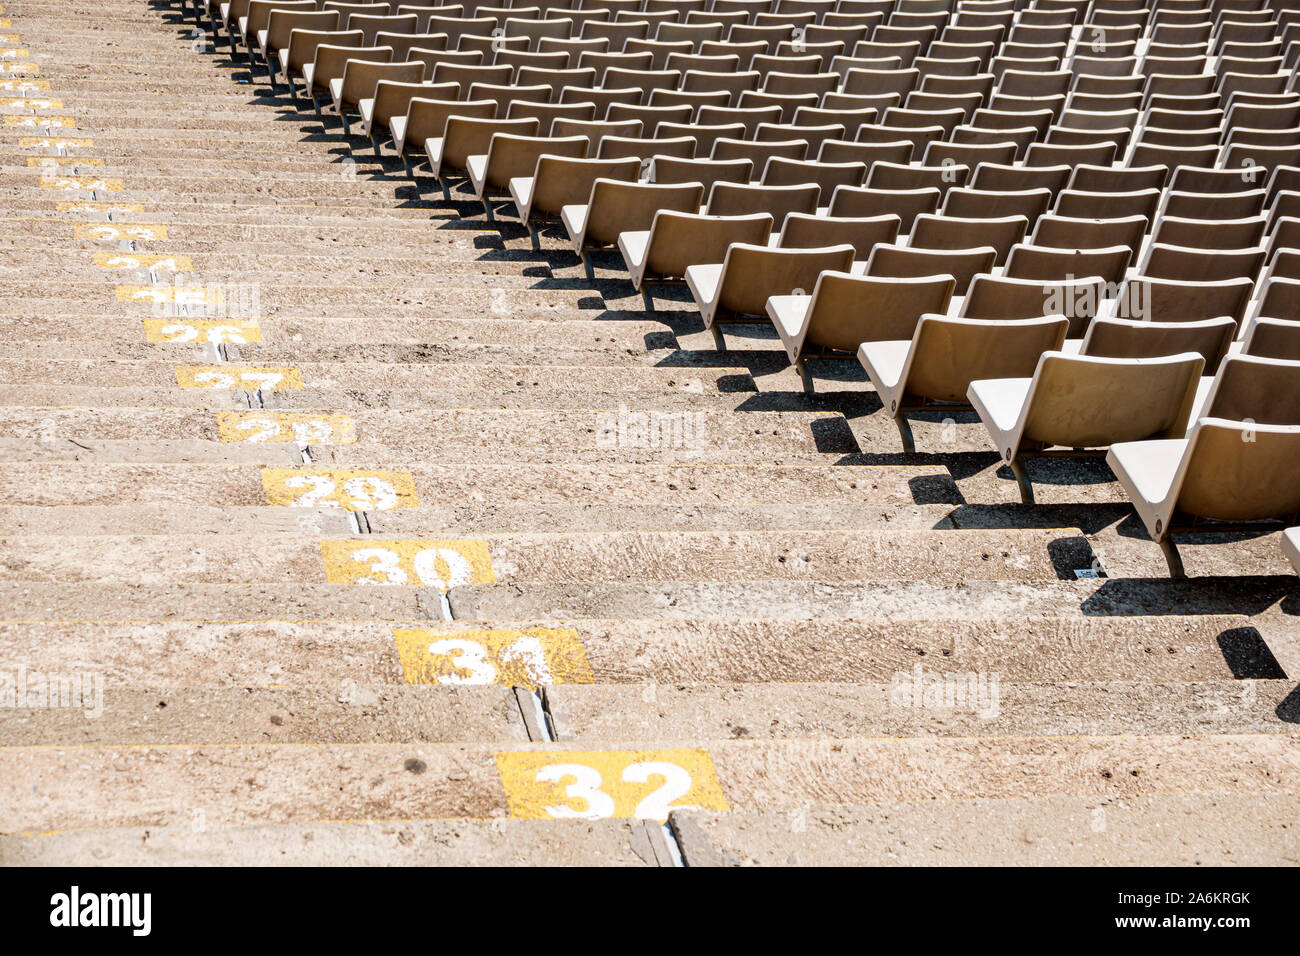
(426, 119)
(846, 310)
(966, 203)
(672, 169)
(466, 136)
(1272, 338)
(675, 241)
(614, 207)
(1028, 261)
(735, 199)
(1133, 338)
(829, 176)
(863, 202)
(361, 78)
(510, 156)
(805, 231)
(749, 275)
(963, 265)
(1064, 232)
(1201, 265)
(999, 297)
(391, 101)
(950, 232)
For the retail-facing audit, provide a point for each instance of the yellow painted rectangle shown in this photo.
(24, 86)
(348, 488)
(117, 232)
(182, 295)
(31, 103)
(250, 378)
(180, 329)
(153, 261)
(82, 183)
(299, 428)
(41, 122)
(431, 564)
(20, 69)
(600, 784)
(52, 142)
(14, 53)
(64, 164)
(531, 657)
(87, 205)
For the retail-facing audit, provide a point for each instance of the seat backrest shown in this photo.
(1240, 471)
(1065, 232)
(303, 45)
(678, 240)
(1257, 389)
(790, 172)
(278, 18)
(1180, 263)
(737, 199)
(510, 155)
(332, 61)
(752, 273)
(616, 206)
(804, 231)
(1083, 401)
(907, 204)
(470, 136)
(950, 232)
(1210, 233)
(672, 169)
(999, 297)
(962, 264)
(1273, 338)
(948, 354)
(619, 147)
(966, 203)
(1128, 338)
(1040, 262)
(361, 77)
(426, 118)
(848, 310)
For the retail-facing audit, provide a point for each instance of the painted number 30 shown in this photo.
(455, 570)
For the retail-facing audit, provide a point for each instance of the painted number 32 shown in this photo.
(586, 798)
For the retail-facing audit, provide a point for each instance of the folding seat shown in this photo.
(733, 84)
(849, 120)
(311, 26)
(933, 66)
(621, 147)
(1184, 139)
(940, 58)
(875, 82)
(602, 98)
(840, 151)
(556, 79)
(682, 62)
(759, 153)
(694, 100)
(942, 178)
(579, 17)
(920, 137)
(966, 203)
(432, 59)
(601, 62)
(1272, 338)
(1258, 116)
(423, 13)
(869, 55)
(931, 231)
(749, 274)
(929, 108)
(370, 26)
(1279, 298)
(464, 137)
(799, 64)
(547, 113)
(692, 33)
(748, 120)
(849, 35)
(361, 78)
(648, 116)
(405, 44)
(510, 156)
(559, 181)
(331, 62)
(862, 203)
(1039, 35)
(802, 231)
(901, 262)
(1145, 339)
(1104, 102)
(1017, 139)
(1063, 232)
(1285, 265)
(520, 58)
(980, 84)
(997, 178)
(1026, 104)
(1056, 154)
(936, 20)
(738, 199)
(846, 310)
(945, 355)
(648, 81)
(256, 27)
(746, 51)
(1172, 301)
(1180, 263)
(998, 297)
(618, 33)
(898, 35)
(855, 101)
(1233, 85)
(499, 15)
(575, 50)
(456, 27)
(390, 101)
(1028, 261)
(467, 75)
(1223, 470)
(1077, 402)
(506, 95)
(1003, 64)
(1248, 155)
(1284, 235)
(1038, 120)
(300, 56)
(1238, 205)
(814, 136)
(534, 30)
(1211, 233)
(613, 207)
(671, 170)
(821, 53)
(788, 172)
(426, 119)
(595, 131)
(991, 33)
(968, 155)
(800, 84)
(772, 35)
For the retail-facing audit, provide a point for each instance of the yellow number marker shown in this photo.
(115, 232)
(82, 183)
(64, 162)
(347, 488)
(599, 784)
(234, 331)
(196, 295)
(143, 260)
(50, 142)
(86, 205)
(300, 428)
(432, 564)
(31, 103)
(250, 378)
(24, 86)
(516, 658)
(41, 122)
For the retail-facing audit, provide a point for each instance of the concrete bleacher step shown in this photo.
(355, 843)
(1143, 830)
(133, 649)
(905, 555)
(43, 787)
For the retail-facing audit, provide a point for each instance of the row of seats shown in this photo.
(1094, 253)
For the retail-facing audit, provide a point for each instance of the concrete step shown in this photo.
(1141, 830)
(43, 788)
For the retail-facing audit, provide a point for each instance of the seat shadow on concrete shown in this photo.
(1130, 597)
(1089, 518)
(1289, 709)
